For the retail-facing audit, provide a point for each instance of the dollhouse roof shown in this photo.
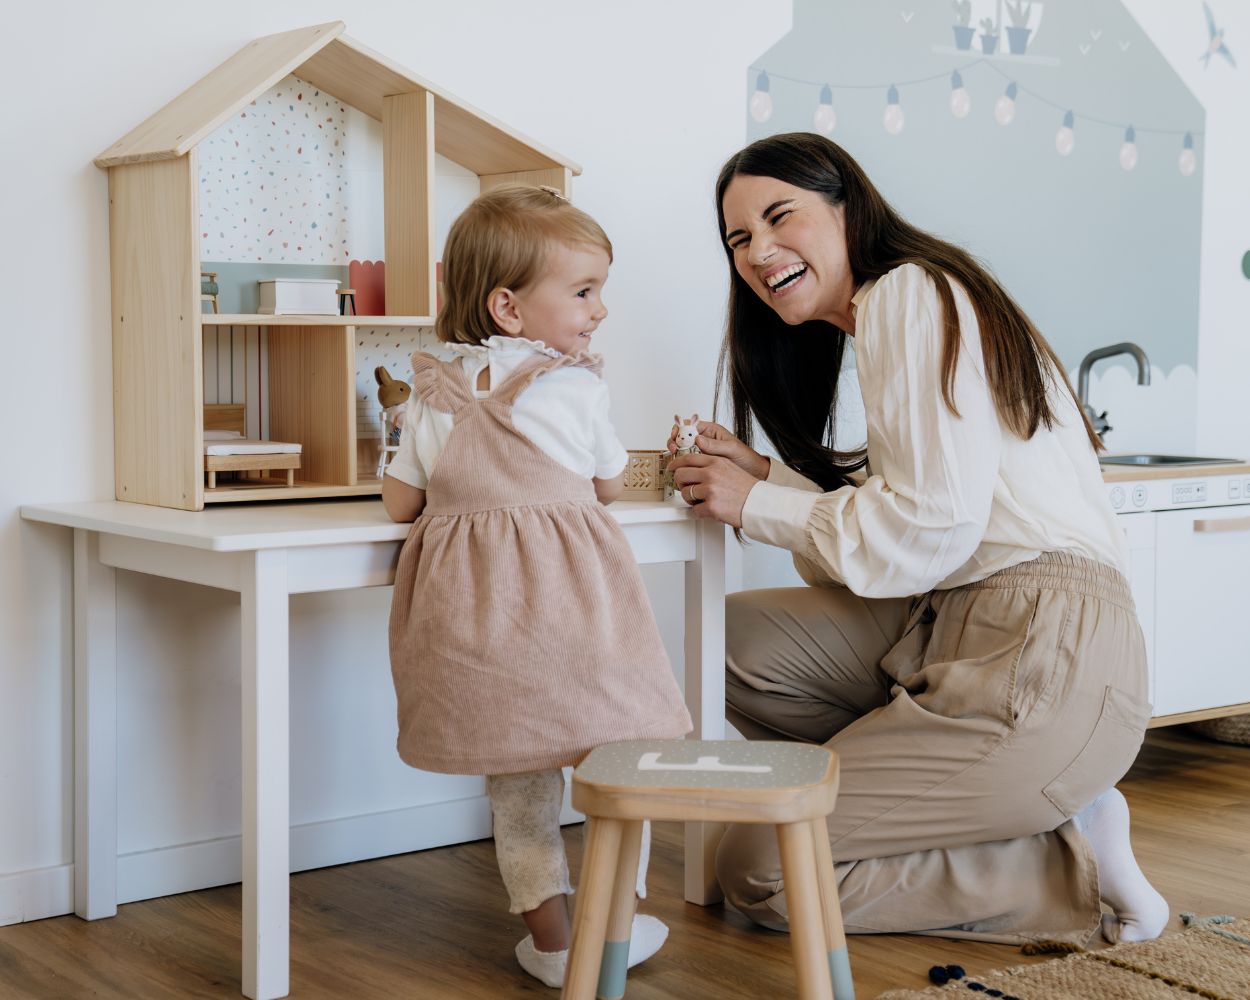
(342, 67)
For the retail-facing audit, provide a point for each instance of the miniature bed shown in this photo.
(228, 449)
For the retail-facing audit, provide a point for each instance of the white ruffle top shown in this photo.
(565, 413)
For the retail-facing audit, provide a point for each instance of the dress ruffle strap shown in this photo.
(441, 384)
(520, 380)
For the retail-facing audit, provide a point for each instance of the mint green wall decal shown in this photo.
(1069, 160)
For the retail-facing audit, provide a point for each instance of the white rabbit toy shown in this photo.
(687, 431)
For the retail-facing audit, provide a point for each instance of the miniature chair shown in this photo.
(209, 288)
(347, 296)
(790, 785)
(389, 445)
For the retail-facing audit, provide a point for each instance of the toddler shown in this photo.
(520, 634)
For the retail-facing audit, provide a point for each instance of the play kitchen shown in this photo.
(1187, 520)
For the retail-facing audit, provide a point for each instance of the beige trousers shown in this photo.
(971, 725)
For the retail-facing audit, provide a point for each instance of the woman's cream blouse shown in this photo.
(948, 499)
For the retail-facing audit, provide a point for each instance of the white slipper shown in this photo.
(646, 937)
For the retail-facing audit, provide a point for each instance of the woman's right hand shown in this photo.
(714, 439)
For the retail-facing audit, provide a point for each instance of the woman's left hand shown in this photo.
(713, 486)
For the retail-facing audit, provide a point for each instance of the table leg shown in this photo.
(95, 730)
(266, 775)
(705, 690)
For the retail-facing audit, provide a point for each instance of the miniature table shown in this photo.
(265, 554)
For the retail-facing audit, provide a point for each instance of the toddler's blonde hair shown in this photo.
(501, 241)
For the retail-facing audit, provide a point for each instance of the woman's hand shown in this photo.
(713, 486)
(714, 439)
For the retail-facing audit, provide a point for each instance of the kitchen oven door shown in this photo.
(1202, 615)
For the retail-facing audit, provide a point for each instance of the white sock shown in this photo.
(646, 936)
(1141, 913)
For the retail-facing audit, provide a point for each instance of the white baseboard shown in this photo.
(186, 867)
(36, 894)
(49, 892)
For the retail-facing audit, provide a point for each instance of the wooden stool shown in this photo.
(791, 785)
(347, 295)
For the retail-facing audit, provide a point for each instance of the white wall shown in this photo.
(646, 96)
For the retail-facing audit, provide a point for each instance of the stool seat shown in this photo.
(722, 781)
(792, 786)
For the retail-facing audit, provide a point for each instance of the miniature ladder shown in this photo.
(792, 786)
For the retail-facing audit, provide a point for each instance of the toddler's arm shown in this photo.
(402, 502)
(608, 490)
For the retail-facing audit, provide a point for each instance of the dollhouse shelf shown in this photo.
(263, 319)
(309, 386)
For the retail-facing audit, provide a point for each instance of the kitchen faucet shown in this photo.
(1099, 420)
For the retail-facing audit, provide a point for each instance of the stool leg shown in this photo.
(831, 910)
(590, 915)
(621, 918)
(798, 870)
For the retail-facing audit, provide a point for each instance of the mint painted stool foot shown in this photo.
(791, 786)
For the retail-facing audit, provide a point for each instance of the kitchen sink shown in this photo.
(1166, 460)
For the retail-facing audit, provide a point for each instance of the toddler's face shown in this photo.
(565, 306)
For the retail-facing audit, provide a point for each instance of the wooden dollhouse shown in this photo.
(158, 329)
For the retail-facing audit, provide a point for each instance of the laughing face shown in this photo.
(789, 246)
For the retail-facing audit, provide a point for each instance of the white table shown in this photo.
(265, 554)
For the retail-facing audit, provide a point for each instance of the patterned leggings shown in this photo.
(526, 810)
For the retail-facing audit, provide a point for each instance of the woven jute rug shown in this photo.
(1210, 957)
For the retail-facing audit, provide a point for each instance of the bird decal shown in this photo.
(1215, 44)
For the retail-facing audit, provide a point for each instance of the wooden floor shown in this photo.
(434, 924)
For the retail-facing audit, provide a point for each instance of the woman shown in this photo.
(982, 725)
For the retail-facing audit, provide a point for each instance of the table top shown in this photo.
(249, 527)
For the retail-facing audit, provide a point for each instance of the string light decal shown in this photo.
(1005, 106)
(893, 120)
(1128, 151)
(961, 103)
(1065, 138)
(825, 119)
(1188, 161)
(761, 100)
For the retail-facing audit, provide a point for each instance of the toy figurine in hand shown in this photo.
(687, 431)
(684, 433)
(393, 395)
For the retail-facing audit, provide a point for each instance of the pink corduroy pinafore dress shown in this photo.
(521, 636)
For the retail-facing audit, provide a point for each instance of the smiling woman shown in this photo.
(969, 628)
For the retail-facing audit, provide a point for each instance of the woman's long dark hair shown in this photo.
(786, 377)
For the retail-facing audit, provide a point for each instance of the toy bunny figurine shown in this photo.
(687, 431)
(393, 395)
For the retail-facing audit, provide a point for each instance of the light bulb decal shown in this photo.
(825, 120)
(893, 120)
(1005, 106)
(961, 103)
(761, 100)
(1128, 149)
(1188, 160)
(1065, 138)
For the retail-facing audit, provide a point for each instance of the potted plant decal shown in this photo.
(963, 30)
(1018, 31)
(989, 36)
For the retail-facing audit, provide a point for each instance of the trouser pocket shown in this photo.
(1106, 756)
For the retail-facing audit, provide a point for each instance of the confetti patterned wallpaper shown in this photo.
(274, 180)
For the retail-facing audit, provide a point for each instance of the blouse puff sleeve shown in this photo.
(610, 455)
(924, 510)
